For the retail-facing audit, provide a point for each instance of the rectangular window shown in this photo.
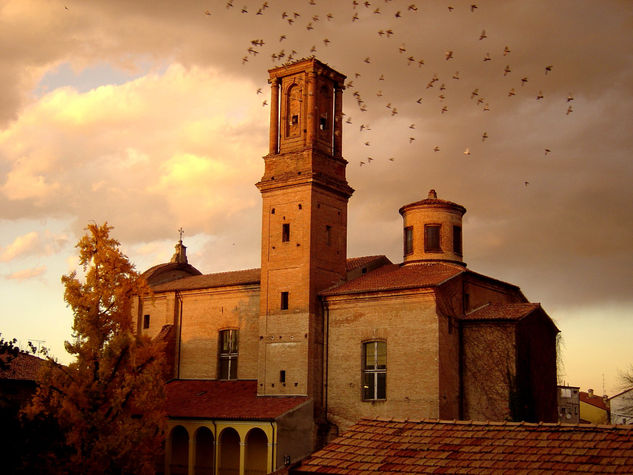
(228, 354)
(282, 376)
(408, 240)
(432, 238)
(457, 240)
(328, 235)
(285, 232)
(374, 371)
(145, 322)
(284, 300)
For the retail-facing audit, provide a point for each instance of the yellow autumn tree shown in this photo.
(109, 402)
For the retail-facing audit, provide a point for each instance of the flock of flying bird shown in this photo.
(395, 10)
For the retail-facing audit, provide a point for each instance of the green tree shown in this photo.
(108, 403)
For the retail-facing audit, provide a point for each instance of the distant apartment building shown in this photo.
(621, 407)
(569, 404)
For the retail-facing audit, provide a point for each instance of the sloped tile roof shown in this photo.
(398, 276)
(24, 367)
(238, 277)
(502, 311)
(379, 446)
(212, 399)
(356, 262)
(594, 400)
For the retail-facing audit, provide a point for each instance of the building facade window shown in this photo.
(432, 238)
(457, 240)
(328, 235)
(374, 371)
(145, 322)
(408, 240)
(285, 232)
(284, 301)
(228, 354)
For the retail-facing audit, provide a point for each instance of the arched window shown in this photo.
(374, 370)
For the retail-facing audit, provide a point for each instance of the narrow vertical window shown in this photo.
(284, 300)
(374, 370)
(408, 240)
(228, 354)
(285, 232)
(432, 238)
(457, 240)
(328, 235)
(145, 322)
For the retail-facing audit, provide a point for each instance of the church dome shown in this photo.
(433, 230)
(175, 269)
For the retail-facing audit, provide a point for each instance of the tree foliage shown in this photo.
(109, 403)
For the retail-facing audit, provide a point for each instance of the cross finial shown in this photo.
(181, 232)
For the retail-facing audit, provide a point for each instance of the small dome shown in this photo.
(433, 230)
(176, 269)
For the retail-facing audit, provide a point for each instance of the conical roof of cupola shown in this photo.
(433, 201)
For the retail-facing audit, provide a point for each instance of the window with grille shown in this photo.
(374, 370)
(228, 354)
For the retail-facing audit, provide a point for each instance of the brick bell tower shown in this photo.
(304, 225)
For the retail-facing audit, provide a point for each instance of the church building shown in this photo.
(267, 365)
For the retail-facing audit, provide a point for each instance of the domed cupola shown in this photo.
(433, 230)
(177, 268)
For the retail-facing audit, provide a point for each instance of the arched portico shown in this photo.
(256, 453)
(178, 451)
(204, 452)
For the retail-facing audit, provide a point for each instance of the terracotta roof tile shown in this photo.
(594, 400)
(471, 447)
(212, 399)
(239, 277)
(398, 276)
(24, 367)
(506, 311)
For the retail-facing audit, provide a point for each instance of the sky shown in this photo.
(149, 115)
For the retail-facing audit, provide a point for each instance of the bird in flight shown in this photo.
(467, 151)
(483, 35)
(539, 95)
(507, 70)
(207, 12)
(487, 57)
(506, 51)
(548, 69)
(449, 55)
(547, 151)
(436, 148)
(484, 136)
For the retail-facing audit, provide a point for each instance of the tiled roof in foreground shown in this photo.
(24, 367)
(382, 446)
(213, 399)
